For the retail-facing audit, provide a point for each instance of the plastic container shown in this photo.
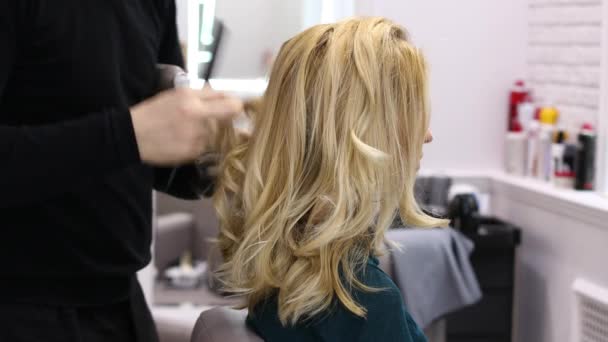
(557, 155)
(533, 135)
(526, 113)
(585, 159)
(548, 119)
(516, 146)
(544, 153)
(564, 173)
(519, 93)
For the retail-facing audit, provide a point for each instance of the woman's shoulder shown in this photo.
(386, 312)
(385, 294)
(386, 316)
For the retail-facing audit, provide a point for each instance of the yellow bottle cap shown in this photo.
(549, 115)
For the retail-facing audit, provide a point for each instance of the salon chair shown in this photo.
(223, 325)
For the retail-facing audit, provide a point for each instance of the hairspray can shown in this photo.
(585, 159)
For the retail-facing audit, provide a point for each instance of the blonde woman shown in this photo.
(305, 202)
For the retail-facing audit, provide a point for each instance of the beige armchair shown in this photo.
(204, 224)
(185, 226)
(223, 325)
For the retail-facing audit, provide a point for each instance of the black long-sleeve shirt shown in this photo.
(75, 199)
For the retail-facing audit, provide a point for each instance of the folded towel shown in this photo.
(433, 272)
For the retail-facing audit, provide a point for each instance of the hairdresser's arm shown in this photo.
(42, 162)
(45, 161)
(38, 162)
(193, 180)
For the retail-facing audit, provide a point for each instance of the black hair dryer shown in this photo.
(463, 212)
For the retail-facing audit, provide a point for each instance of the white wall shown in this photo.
(555, 250)
(287, 20)
(476, 49)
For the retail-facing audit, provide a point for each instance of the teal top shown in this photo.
(387, 319)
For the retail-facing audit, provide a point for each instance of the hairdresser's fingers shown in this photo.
(222, 108)
(207, 93)
(242, 134)
(212, 95)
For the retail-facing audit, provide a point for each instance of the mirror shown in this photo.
(253, 31)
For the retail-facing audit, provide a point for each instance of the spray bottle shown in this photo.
(585, 159)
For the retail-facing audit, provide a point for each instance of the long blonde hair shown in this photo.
(334, 153)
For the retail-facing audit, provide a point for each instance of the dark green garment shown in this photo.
(386, 321)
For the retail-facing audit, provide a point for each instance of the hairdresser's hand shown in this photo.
(177, 126)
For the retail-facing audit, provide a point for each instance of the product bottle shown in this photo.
(526, 112)
(548, 119)
(518, 95)
(533, 136)
(516, 151)
(564, 175)
(557, 156)
(544, 153)
(585, 159)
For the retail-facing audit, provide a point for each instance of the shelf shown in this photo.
(590, 207)
(586, 206)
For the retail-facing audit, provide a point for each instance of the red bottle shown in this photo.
(518, 94)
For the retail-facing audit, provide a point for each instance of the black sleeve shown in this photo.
(189, 181)
(40, 162)
(170, 51)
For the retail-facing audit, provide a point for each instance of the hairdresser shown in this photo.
(83, 139)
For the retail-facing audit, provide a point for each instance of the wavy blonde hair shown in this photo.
(334, 153)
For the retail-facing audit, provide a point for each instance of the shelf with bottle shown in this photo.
(538, 146)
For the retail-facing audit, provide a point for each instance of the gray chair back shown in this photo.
(223, 325)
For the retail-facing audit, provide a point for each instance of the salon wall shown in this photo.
(556, 250)
(475, 48)
(286, 21)
(566, 63)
